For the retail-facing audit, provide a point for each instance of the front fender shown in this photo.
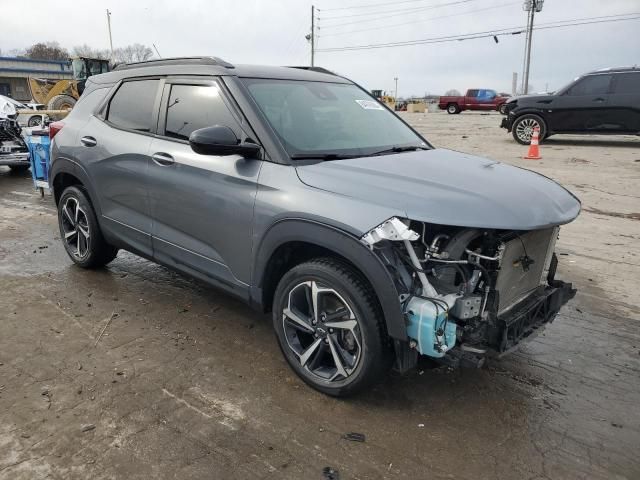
(343, 244)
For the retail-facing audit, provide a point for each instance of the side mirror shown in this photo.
(220, 140)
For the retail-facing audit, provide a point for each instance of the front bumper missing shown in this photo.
(506, 123)
(529, 317)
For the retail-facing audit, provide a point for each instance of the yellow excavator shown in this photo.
(63, 94)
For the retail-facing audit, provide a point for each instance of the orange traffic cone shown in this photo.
(534, 151)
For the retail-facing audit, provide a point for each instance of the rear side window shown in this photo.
(132, 105)
(473, 93)
(88, 103)
(627, 83)
(591, 85)
(191, 107)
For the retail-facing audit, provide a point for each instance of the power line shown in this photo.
(372, 5)
(490, 33)
(396, 10)
(422, 20)
(386, 15)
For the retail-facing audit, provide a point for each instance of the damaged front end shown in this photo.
(468, 292)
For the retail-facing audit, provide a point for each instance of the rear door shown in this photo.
(624, 102)
(117, 148)
(583, 107)
(202, 205)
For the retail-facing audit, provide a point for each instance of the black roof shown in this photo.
(635, 68)
(214, 66)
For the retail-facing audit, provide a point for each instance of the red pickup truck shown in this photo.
(475, 99)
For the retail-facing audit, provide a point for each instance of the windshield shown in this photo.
(319, 118)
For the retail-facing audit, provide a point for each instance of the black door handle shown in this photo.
(89, 141)
(163, 159)
(599, 99)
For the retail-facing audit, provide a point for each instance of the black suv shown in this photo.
(601, 102)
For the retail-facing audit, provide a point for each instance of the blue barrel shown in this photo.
(39, 157)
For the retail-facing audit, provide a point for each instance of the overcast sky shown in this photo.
(272, 32)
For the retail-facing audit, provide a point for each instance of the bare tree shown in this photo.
(132, 53)
(452, 93)
(90, 52)
(47, 51)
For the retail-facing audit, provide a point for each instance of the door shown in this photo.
(583, 107)
(118, 149)
(624, 102)
(202, 205)
(486, 99)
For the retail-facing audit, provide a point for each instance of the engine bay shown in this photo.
(461, 288)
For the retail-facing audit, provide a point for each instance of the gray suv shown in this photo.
(295, 190)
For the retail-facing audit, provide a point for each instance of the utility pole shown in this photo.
(396, 94)
(313, 34)
(109, 27)
(531, 7)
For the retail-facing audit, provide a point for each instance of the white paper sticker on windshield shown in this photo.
(369, 104)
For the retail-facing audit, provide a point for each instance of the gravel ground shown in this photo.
(136, 372)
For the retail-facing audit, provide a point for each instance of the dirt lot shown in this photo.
(136, 372)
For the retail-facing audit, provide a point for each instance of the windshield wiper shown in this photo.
(398, 149)
(322, 156)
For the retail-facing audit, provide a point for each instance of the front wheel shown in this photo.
(19, 168)
(330, 327)
(503, 109)
(80, 232)
(523, 127)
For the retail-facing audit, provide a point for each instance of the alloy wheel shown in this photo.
(75, 226)
(322, 331)
(525, 128)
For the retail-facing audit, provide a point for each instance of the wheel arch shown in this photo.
(531, 111)
(65, 172)
(292, 241)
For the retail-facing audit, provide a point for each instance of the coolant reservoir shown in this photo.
(429, 327)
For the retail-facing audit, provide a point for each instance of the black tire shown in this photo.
(503, 109)
(61, 102)
(19, 168)
(34, 121)
(453, 109)
(369, 344)
(522, 128)
(89, 250)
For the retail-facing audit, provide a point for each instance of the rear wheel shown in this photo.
(80, 232)
(503, 109)
(522, 128)
(330, 327)
(61, 102)
(452, 109)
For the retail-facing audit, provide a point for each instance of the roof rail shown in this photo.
(316, 69)
(158, 62)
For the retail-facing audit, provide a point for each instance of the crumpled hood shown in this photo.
(449, 188)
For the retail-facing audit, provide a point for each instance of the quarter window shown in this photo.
(591, 85)
(627, 83)
(132, 105)
(191, 107)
